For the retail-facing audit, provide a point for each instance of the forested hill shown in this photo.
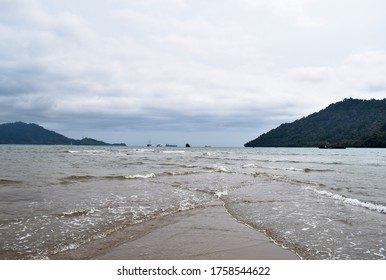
(349, 123)
(33, 134)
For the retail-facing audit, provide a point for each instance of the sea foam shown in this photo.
(351, 201)
(139, 176)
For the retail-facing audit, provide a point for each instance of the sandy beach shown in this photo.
(204, 233)
(208, 233)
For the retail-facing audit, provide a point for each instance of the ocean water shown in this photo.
(321, 204)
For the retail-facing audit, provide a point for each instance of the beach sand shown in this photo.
(207, 233)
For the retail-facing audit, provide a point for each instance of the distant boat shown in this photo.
(187, 145)
(149, 144)
(331, 147)
(169, 145)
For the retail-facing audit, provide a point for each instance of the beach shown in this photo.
(206, 233)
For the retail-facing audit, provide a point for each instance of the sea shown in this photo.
(319, 203)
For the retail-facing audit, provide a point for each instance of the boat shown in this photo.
(169, 145)
(331, 147)
(187, 145)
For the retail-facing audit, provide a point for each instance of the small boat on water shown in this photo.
(171, 146)
(331, 147)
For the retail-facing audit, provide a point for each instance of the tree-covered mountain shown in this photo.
(349, 123)
(33, 134)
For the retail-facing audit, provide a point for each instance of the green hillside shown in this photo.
(33, 134)
(22, 133)
(349, 123)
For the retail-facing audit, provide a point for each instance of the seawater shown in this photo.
(321, 204)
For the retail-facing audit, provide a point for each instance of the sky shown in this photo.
(213, 72)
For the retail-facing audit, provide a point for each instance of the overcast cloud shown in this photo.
(206, 72)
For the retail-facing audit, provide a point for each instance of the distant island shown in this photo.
(348, 123)
(33, 134)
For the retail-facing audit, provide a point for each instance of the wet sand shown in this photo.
(208, 233)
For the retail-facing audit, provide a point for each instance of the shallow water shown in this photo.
(322, 204)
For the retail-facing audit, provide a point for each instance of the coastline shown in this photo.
(207, 233)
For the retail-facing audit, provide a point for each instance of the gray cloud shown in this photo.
(185, 66)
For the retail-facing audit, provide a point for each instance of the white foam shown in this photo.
(249, 165)
(173, 152)
(139, 176)
(144, 150)
(221, 169)
(219, 194)
(24, 237)
(351, 201)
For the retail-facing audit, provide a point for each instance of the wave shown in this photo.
(9, 182)
(170, 173)
(83, 178)
(318, 170)
(173, 152)
(89, 152)
(249, 165)
(306, 170)
(77, 213)
(125, 177)
(144, 150)
(217, 169)
(351, 201)
(283, 179)
(78, 178)
(219, 194)
(72, 151)
(139, 176)
(290, 168)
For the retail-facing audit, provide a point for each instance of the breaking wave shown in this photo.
(139, 176)
(9, 182)
(217, 169)
(77, 213)
(351, 201)
(78, 178)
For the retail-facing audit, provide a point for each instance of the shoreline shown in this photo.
(206, 233)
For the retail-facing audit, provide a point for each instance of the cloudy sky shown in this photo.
(207, 72)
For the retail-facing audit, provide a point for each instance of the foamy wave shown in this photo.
(170, 173)
(77, 213)
(139, 176)
(351, 201)
(221, 169)
(173, 152)
(306, 170)
(217, 169)
(144, 150)
(249, 165)
(285, 168)
(219, 194)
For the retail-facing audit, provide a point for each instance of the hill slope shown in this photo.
(351, 123)
(33, 134)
